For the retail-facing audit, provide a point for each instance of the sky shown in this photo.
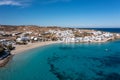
(76, 13)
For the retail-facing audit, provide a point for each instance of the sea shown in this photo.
(81, 61)
(114, 30)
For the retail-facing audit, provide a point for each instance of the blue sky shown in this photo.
(82, 13)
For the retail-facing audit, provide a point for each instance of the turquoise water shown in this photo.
(92, 61)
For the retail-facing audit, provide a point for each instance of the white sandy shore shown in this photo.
(22, 48)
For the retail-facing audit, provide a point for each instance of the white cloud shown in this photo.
(13, 2)
(24, 3)
(10, 3)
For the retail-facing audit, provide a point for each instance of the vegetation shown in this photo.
(78, 34)
(10, 47)
(6, 47)
(1, 49)
(21, 43)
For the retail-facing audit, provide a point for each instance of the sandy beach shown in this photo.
(22, 48)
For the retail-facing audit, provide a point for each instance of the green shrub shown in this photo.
(1, 48)
(10, 47)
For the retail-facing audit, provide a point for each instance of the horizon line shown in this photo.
(60, 26)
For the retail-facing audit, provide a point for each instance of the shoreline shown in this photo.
(5, 60)
(22, 48)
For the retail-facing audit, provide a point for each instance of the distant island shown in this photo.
(15, 39)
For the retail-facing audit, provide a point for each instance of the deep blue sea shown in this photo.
(82, 61)
(114, 30)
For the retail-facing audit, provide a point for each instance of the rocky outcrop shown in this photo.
(4, 61)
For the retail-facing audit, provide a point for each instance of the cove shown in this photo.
(81, 61)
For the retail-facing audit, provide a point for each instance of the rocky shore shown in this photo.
(5, 60)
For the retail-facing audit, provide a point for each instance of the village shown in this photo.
(23, 35)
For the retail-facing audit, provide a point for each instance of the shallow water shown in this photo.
(93, 61)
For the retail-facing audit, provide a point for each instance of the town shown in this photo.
(23, 35)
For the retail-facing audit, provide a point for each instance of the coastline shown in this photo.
(5, 61)
(22, 48)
